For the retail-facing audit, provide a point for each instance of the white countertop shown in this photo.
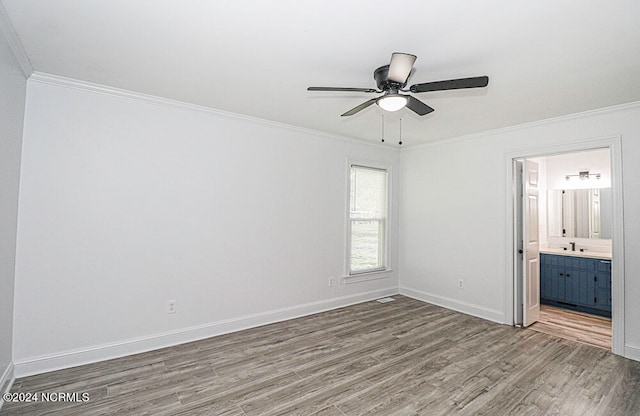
(577, 253)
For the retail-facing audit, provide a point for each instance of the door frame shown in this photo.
(614, 144)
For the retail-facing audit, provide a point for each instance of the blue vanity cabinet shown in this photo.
(578, 283)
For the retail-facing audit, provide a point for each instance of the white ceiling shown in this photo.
(544, 58)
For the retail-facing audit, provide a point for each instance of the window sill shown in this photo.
(366, 276)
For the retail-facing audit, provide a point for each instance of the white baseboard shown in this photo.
(632, 352)
(6, 381)
(67, 359)
(456, 305)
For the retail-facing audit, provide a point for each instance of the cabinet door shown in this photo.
(580, 287)
(556, 283)
(571, 286)
(603, 285)
(545, 276)
(545, 279)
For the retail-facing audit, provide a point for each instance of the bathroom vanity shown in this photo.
(576, 280)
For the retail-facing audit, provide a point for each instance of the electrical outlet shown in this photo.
(171, 306)
(460, 284)
(332, 282)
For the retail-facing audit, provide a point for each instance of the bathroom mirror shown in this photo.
(580, 213)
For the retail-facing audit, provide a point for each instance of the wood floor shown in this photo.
(398, 358)
(576, 326)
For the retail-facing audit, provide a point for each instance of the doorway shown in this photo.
(570, 316)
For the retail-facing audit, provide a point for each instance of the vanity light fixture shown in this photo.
(583, 175)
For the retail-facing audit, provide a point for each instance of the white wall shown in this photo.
(12, 98)
(128, 203)
(450, 226)
(453, 220)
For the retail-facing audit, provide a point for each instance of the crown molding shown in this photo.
(538, 123)
(45, 78)
(6, 27)
(58, 80)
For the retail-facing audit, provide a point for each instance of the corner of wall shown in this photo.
(456, 305)
(13, 77)
(6, 381)
(6, 27)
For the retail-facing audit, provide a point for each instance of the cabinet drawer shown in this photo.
(604, 266)
(579, 263)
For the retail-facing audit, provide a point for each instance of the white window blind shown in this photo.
(368, 219)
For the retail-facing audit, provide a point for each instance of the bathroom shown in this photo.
(575, 216)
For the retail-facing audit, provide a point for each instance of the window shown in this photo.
(367, 219)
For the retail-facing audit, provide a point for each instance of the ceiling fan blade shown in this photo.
(418, 106)
(347, 89)
(400, 67)
(360, 107)
(451, 84)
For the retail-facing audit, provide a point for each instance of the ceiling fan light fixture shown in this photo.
(392, 102)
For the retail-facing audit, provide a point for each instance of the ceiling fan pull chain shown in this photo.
(382, 127)
(400, 142)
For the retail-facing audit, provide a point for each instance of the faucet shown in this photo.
(573, 246)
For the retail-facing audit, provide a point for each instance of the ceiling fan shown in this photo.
(391, 80)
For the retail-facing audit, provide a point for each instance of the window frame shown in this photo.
(368, 274)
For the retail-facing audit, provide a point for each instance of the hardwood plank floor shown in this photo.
(399, 358)
(576, 326)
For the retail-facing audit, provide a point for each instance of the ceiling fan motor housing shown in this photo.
(381, 76)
